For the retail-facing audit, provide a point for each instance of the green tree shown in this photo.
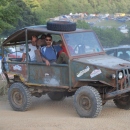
(109, 37)
(9, 12)
(19, 17)
(82, 24)
(15, 14)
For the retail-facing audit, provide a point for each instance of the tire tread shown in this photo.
(61, 26)
(28, 95)
(97, 96)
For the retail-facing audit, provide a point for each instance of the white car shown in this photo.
(124, 30)
(122, 51)
(122, 27)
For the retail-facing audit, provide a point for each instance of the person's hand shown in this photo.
(23, 57)
(47, 63)
(33, 39)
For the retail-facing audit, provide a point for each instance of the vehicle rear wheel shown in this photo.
(87, 102)
(123, 102)
(19, 97)
(57, 96)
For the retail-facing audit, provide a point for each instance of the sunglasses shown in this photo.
(48, 39)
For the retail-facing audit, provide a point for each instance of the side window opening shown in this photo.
(56, 39)
(13, 53)
(124, 54)
(111, 52)
(119, 53)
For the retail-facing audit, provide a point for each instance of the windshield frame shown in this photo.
(86, 54)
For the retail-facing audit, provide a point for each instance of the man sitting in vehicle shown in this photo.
(39, 42)
(49, 52)
(31, 51)
(35, 44)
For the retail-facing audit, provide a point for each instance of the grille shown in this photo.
(125, 81)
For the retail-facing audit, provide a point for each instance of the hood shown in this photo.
(105, 61)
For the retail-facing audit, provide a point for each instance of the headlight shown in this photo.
(120, 75)
(113, 76)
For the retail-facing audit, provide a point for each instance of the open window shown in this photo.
(124, 53)
(16, 53)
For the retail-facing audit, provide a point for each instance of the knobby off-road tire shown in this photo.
(123, 102)
(87, 102)
(57, 96)
(19, 97)
(61, 26)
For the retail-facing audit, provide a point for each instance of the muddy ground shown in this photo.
(45, 114)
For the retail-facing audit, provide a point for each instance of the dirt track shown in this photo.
(48, 115)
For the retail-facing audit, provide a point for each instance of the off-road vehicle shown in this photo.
(91, 76)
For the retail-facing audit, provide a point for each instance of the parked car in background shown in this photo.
(17, 54)
(11, 53)
(123, 29)
(122, 52)
(123, 19)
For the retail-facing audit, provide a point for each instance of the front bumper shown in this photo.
(122, 85)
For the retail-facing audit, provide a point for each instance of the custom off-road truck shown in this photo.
(91, 75)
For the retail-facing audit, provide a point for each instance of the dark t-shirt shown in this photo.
(50, 53)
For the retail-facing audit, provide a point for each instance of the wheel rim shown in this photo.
(17, 97)
(85, 102)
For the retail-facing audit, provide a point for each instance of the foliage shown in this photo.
(82, 24)
(109, 37)
(126, 40)
(16, 14)
(51, 8)
(8, 15)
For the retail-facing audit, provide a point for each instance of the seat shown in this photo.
(81, 49)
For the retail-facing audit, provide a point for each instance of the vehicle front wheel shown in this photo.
(56, 96)
(87, 102)
(19, 97)
(123, 102)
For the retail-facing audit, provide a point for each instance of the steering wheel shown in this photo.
(79, 49)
